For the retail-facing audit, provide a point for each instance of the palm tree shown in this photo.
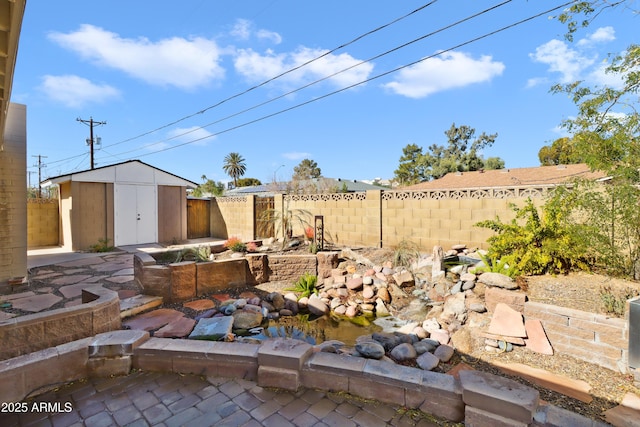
(234, 166)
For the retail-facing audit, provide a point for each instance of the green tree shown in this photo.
(562, 151)
(461, 154)
(307, 169)
(234, 166)
(208, 187)
(247, 182)
(411, 167)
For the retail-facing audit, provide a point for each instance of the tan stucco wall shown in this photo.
(172, 213)
(43, 222)
(13, 195)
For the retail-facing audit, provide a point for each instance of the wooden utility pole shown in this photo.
(90, 140)
(39, 165)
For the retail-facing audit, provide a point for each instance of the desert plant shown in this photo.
(494, 265)
(199, 254)
(305, 286)
(102, 246)
(235, 244)
(405, 254)
(284, 221)
(616, 304)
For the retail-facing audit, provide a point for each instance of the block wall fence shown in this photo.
(385, 218)
(43, 223)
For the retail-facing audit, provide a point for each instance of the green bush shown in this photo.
(539, 243)
(305, 286)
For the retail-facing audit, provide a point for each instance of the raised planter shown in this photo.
(185, 280)
(99, 312)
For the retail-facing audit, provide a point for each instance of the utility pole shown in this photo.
(90, 141)
(39, 165)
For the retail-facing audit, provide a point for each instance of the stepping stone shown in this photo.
(110, 266)
(82, 262)
(126, 293)
(213, 329)
(221, 297)
(75, 271)
(124, 272)
(176, 329)
(154, 319)
(46, 290)
(73, 291)
(36, 303)
(577, 389)
(536, 337)
(70, 280)
(94, 279)
(6, 316)
(120, 279)
(199, 305)
(507, 321)
(137, 304)
(12, 297)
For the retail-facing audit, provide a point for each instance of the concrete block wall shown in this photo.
(100, 312)
(591, 337)
(232, 217)
(13, 195)
(43, 223)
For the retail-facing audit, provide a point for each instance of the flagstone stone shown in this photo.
(94, 279)
(507, 321)
(126, 293)
(73, 271)
(72, 291)
(36, 303)
(179, 328)
(6, 316)
(82, 262)
(110, 266)
(12, 297)
(70, 280)
(536, 337)
(154, 319)
(120, 279)
(48, 275)
(124, 272)
(45, 290)
(199, 305)
(221, 297)
(214, 328)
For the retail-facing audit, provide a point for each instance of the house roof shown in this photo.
(516, 177)
(321, 183)
(129, 171)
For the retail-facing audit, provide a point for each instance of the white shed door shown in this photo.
(135, 214)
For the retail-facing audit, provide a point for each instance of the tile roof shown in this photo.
(516, 177)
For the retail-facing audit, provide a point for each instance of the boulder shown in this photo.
(370, 349)
(317, 307)
(404, 352)
(427, 361)
(246, 319)
(498, 280)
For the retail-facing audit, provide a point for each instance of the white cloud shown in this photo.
(576, 62)
(199, 135)
(179, 62)
(259, 67)
(244, 29)
(73, 91)
(447, 71)
(561, 59)
(296, 155)
(601, 35)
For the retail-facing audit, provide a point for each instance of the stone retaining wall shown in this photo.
(477, 398)
(100, 312)
(186, 280)
(591, 337)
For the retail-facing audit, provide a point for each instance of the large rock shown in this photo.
(317, 307)
(404, 352)
(354, 283)
(498, 280)
(507, 322)
(404, 279)
(427, 361)
(370, 349)
(246, 319)
(213, 329)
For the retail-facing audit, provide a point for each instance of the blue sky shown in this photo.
(158, 72)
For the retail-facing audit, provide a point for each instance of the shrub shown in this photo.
(252, 247)
(305, 286)
(405, 254)
(494, 265)
(199, 254)
(235, 244)
(539, 243)
(616, 304)
(102, 246)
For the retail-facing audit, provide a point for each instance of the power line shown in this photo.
(461, 21)
(329, 52)
(39, 165)
(361, 82)
(91, 140)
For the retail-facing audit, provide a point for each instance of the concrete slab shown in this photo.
(36, 303)
(284, 353)
(116, 343)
